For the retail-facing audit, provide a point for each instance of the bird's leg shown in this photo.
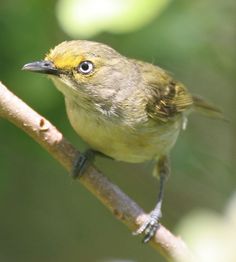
(150, 226)
(82, 160)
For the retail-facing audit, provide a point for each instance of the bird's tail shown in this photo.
(206, 108)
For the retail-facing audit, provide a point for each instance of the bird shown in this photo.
(123, 108)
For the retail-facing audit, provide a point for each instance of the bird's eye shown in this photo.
(85, 67)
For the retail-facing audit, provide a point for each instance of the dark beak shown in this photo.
(44, 67)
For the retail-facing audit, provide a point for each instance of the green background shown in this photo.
(45, 216)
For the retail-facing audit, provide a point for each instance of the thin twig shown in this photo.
(122, 207)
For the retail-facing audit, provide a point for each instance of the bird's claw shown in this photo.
(149, 227)
(81, 163)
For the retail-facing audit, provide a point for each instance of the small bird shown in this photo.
(125, 109)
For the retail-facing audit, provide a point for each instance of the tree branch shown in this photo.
(122, 207)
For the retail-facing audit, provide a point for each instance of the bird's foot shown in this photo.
(81, 163)
(150, 226)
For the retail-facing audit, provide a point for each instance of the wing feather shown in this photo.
(168, 99)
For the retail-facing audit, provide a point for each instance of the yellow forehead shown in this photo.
(65, 61)
(69, 54)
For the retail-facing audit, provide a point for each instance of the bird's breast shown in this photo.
(119, 141)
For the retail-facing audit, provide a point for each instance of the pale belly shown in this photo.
(120, 141)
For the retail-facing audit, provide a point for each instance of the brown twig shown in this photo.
(125, 209)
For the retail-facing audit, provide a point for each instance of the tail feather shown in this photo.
(207, 109)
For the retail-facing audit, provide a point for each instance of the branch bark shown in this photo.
(123, 208)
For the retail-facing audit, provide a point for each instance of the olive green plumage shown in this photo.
(126, 109)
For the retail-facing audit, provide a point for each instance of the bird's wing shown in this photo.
(168, 99)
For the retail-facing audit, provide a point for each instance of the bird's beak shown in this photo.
(44, 67)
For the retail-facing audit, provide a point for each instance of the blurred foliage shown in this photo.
(211, 236)
(47, 217)
(86, 18)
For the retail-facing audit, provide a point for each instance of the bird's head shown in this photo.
(84, 69)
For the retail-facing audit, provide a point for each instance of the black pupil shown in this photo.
(85, 66)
